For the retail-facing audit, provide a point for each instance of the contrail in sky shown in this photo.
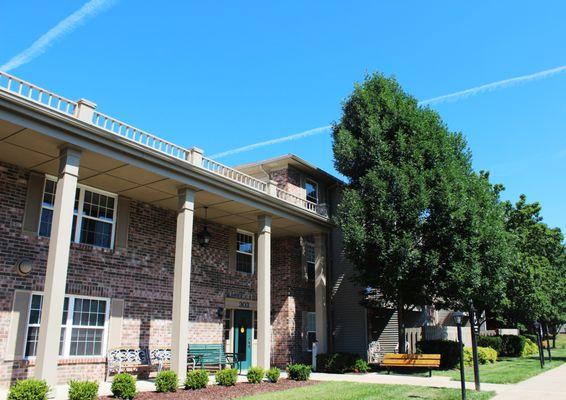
(434, 100)
(493, 85)
(90, 9)
(310, 132)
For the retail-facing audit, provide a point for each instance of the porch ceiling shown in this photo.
(38, 152)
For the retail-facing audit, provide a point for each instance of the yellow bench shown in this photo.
(429, 361)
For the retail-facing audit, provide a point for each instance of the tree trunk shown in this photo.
(401, 325)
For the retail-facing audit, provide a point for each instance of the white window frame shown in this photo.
(315, 184)
(79, 214)
(309, 313)
(311, 246)
(69, 327)
(243, 252)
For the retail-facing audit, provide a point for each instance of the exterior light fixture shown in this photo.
(204, 236)
(457, 316)
(24, 266)
(220, 312)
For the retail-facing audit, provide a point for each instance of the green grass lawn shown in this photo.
(513, 370)
(368, 391)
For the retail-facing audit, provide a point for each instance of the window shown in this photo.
(83, 326)
(310, 256)
(94, 215)
(245, 252)
(311, 188)
(255, 324)
(311, 329)
(227, 323)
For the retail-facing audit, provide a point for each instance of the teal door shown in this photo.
(243, 337)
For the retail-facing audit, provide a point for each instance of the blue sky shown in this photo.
(225, 74)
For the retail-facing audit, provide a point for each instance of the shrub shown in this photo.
(336, 363)
(531, 337)
(29, 389)
(494, 342)
(485, 355)
(529, 349)
(512, 345)
(299, 372)
(227, 377)
(255, 375)
(449, 351)
(361, 366)
(196, 379)
(166, 381)
(273, 375)
(124, 386)
(84, 390)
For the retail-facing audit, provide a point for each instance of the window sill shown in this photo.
(78, 246)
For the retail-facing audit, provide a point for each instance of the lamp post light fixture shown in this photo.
(458, 316)
(204, 236)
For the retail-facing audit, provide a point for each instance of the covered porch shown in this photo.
(100, 170)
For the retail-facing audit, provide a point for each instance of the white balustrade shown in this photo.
(36, 94)
(28, 91)
(233, 174)
(138, 136)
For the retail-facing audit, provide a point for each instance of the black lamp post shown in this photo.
(204, 236)
(475, 332)
(539, 344)
(457, 316)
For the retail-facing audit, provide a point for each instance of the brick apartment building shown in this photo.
(112, 237)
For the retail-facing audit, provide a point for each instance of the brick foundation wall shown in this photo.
(142, 275)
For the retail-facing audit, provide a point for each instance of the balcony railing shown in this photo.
(86, 112)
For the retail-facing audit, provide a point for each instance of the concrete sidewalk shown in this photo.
(434, 381)
(550, 385)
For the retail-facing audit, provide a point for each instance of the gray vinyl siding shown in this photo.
(349, 328)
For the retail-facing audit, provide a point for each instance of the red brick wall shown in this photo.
(142, 275)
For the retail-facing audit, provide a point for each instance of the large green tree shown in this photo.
(537, 286)
(413, 213)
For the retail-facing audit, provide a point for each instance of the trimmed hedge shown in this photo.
(83, 390)
(273, 375)
(485, 355)
(449, 351)
(124, 386)
(299, 372)
(227, 377)
(197, 379)
(529, 349)
(29, 389)
(255, 375)
(495, 342)
(512, 346)
(166, 381)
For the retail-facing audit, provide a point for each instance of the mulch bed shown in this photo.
(217, 392)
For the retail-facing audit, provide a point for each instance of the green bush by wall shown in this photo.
(299, 372)
(83, 390)
(197, 379)
(449, 351)
(124, 386)
(29, 389)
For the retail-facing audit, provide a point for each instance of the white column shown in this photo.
(320, 293)
(264, 292)
(56, 271)
(182, 282)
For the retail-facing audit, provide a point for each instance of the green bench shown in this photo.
(213, 355)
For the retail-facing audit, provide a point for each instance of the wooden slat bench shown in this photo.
(428, 361)
(128, 359)
(213, 355)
